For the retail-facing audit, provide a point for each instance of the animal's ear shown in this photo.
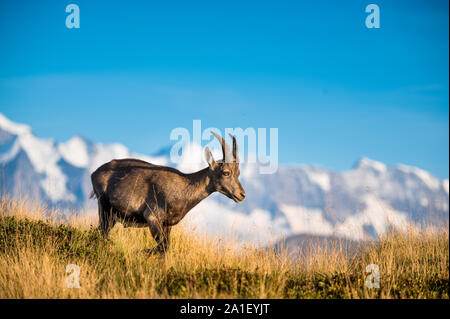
(210, 159)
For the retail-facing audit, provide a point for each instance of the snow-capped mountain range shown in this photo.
(356, 204)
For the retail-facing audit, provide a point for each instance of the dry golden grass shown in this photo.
(36, 246)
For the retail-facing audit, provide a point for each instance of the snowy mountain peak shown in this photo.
(12, 127)
(75, 151)
(367, 163)
(428, 179)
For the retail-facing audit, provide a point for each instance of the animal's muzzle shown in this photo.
(240, 198)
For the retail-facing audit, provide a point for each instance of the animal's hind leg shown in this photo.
(106, 219)
(100, 216)
(110, 221)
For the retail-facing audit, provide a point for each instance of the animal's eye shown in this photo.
(226, 173)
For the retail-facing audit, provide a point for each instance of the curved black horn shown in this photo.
(225, 148)
(235, 148)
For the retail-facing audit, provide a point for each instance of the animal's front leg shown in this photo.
(163, 246)
(161, 234)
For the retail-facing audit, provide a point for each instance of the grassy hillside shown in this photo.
(35, 248)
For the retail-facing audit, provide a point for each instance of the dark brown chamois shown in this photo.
(137, 193)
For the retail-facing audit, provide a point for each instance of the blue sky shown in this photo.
(135, 70)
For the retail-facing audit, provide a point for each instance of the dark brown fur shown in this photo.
(138, 193)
